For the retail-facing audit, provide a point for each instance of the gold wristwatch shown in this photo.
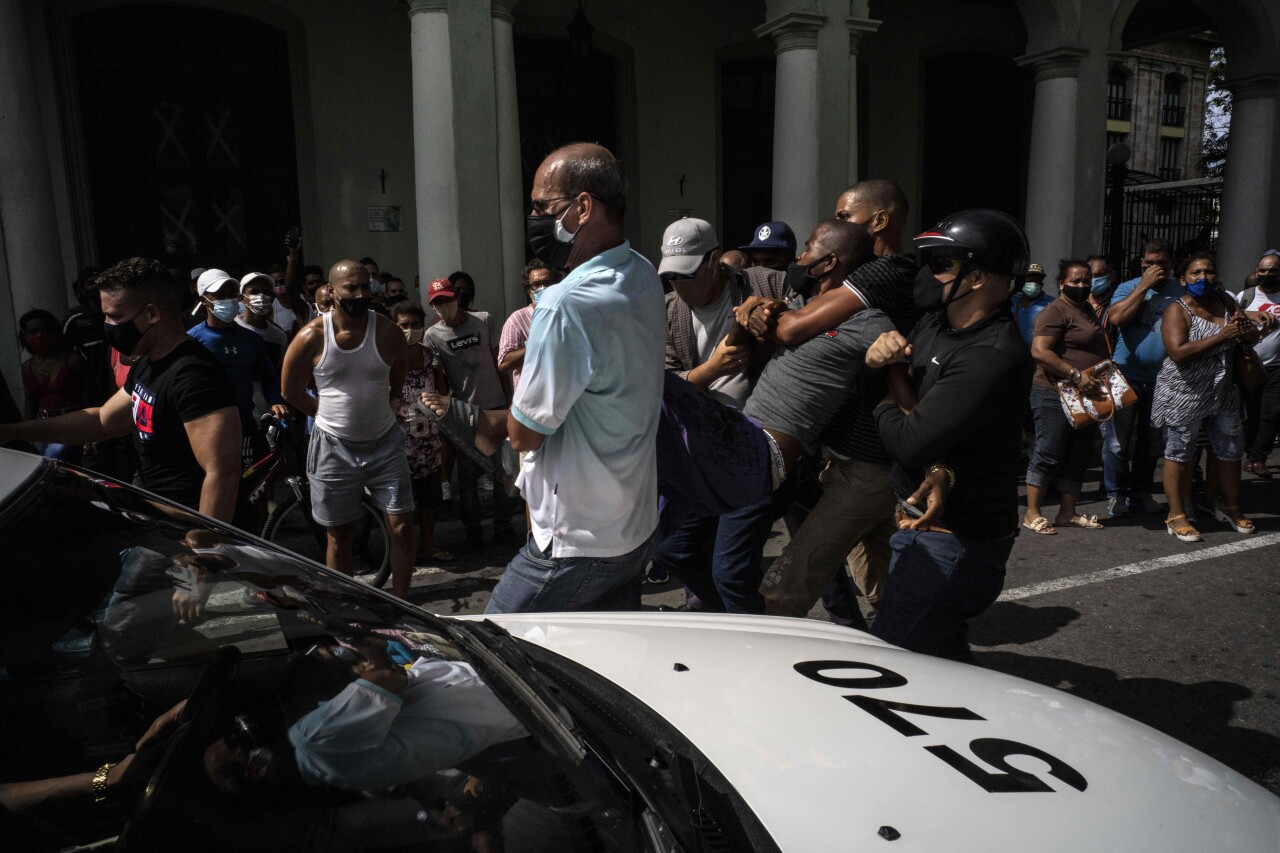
(100, 782)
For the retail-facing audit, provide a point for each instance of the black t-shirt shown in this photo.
(185, 385)
(972, 386)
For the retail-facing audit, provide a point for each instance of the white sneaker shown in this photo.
(446, 491)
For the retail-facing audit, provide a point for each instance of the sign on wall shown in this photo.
(384, 218)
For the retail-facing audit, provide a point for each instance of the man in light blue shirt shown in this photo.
(586, 412)
(1029, 302)
(1130, 445)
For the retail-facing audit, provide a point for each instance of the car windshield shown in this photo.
(241, 697)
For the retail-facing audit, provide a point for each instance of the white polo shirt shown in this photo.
(592, 384)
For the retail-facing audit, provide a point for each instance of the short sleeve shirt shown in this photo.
(1140, 349)
(1078, 338)
(1024, 314)
(804, 386)
(1268, 348)
(514, 334)
(466, 352)
(592, 384)
(184, 385)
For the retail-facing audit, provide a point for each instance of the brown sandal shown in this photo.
(1184, 531)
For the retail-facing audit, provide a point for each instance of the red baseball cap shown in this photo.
(441, 288)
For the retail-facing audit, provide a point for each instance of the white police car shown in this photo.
(321, 714)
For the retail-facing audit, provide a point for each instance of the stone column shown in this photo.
(512, 206)
(435, 177)
(1243, 228)
(858, 27)
(1051, 173)
(795, 121)
(28, 221)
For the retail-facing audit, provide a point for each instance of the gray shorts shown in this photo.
(339, 472)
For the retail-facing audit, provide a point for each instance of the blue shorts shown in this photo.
(1226, 437)
(340, 471)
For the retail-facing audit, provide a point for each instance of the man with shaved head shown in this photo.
(357, 359)
(589, 398)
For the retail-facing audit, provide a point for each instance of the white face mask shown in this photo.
(562, 234)
(259, 303)
(414, 336)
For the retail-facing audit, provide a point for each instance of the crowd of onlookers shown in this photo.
(662, 420)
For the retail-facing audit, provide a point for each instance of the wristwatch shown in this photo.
(100, 782)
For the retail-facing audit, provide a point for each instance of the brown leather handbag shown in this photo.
(1247, 369)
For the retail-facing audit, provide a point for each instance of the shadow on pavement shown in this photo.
(1197, 714)
(452, 595)
(1011, 623)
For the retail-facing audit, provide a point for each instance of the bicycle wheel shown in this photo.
(290, 526)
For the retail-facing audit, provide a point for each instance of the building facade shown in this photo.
(201, 130)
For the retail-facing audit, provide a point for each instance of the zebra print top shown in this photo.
(1202, 386)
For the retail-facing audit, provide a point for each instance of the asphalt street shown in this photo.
(1183, 637)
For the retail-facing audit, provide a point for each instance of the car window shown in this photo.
(318, 714)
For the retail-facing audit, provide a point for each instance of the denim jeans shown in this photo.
(718, 557)
(1061, 453)
(469, 474)
(536, 582)
(1135, 447)
(1111, 468)
(937, 581)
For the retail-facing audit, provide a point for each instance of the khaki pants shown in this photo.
(854, 517)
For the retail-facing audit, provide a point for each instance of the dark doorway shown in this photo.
(977, 120)
(188, 130)
(746, 147)
(562, 99)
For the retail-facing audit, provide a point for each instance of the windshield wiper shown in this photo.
(501, 654)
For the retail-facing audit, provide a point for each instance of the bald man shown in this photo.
(589, 398)
(357, 359)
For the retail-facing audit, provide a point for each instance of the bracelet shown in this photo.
(1074, 376)
(100, 782)
(946, 469)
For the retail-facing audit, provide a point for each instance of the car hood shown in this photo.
(854, 759)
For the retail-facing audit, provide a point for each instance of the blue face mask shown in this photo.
(536, 295)
(225, 310)
(1032, 289)
(377, 287)
(1100, 284)
(1200, 288)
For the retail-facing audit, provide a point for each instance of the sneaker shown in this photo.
(1118, 507)
(1143, 502)
(656, 574)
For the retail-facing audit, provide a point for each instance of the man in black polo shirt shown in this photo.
(178, 400)
(954, 424)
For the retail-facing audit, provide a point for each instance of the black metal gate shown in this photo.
(1185, 213)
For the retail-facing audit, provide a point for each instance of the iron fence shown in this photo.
(1185, 213)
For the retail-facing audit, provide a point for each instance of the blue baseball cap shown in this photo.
(772, 235)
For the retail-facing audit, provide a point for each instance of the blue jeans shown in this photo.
(1130, 452)
(1061, 453)
(936, 582)
(718, 557)
(536, 582)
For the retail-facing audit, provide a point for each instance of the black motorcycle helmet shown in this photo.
(981, 239)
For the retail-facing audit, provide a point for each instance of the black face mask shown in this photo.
(123, 337)
(357, 307)
(1268, 281)
(800, 279)
(540, 234)
(392, 300)
(927, 291)
(1076, 294)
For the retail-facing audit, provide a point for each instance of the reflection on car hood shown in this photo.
(826, 767)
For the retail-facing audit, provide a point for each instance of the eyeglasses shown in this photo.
(938, 264)
(540, 207)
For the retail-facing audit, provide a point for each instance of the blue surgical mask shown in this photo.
(1200, 288)
(1100, 284)
(536, 295)
(225, 310)
(1032, 289)
(377, 286)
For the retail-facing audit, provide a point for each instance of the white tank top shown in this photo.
(354, 386)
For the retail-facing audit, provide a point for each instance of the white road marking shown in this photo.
(1138, 568)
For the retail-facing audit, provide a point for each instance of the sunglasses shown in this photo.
(938, 264)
